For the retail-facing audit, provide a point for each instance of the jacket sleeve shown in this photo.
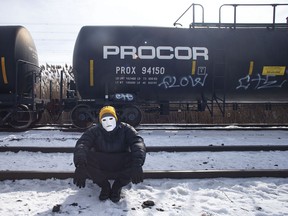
(83, 144)
(137, 146)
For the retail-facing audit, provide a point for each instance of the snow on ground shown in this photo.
(154, 137)
(202, 197)
(154, 161)
(207, 197)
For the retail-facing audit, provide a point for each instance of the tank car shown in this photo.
(20, 103)
(133, 67)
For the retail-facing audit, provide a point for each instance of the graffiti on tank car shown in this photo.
(174, 82)
(259, 82)
(124, 97)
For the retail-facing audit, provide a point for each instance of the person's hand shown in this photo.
(137, 175)
(80, 176)
(80, 158)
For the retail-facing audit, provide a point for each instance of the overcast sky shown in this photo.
(54, 24)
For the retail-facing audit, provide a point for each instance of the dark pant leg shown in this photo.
(124, 177)
(94, 172)
(98, 176)
(104, 166)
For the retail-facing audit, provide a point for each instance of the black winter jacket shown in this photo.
(124, 138)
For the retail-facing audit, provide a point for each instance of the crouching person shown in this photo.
(110, 147)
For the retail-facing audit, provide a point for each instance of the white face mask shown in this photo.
(108, 123)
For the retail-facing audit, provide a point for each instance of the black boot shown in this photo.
(116, 191)
(105, 191)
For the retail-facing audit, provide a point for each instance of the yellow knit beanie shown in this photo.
(108, 110)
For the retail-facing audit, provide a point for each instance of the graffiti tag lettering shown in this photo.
(124, 97)
(259, 82)
(173, 82)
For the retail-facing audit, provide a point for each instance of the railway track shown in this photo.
(211, 127)
(71, 128)
(159, 174)
(148, 174)
(210, 148)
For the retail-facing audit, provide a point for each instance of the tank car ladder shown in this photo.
(218, 83)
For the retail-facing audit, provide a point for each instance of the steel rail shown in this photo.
(17, 149)
(159, 174)
(211, 127)
(225, 127)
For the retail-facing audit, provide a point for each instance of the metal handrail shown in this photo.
(193, 14)
(235, 11)
(234, 24)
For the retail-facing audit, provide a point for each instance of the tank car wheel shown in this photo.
(82, 117)
(132, 115)
(22, 118)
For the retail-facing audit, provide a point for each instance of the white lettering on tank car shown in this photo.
(125, 70)
(160, 52)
